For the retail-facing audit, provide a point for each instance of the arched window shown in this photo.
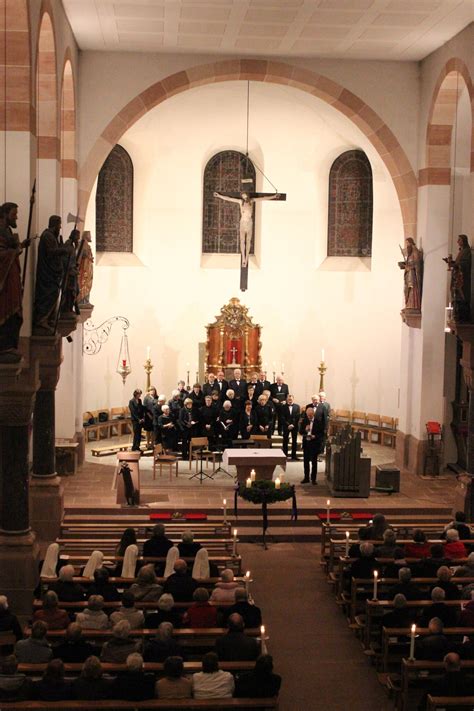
(350, 206)
(114, 203)
(220, 220)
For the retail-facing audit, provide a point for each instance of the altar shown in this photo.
(263, 461)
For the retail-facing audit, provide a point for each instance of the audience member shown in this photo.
(146, 589)
(400, 616)
(163, 645)
(201, 613)
(466, 570)
(181, 585)
(428, 567)
(128, 611)
(466, 618)
(49, 568)
(134, 684)
(53, 686)
(187, 547)
(65, 587)
(419, 547)
(128, 538)
(36, 648)
(102, 586)
(377, 528)
(444, 576)
(9, 621)
(13, 686)
(93, 617)
(75, 649)
(119, 646)
(201, 567)
(460, 525)
(158, 545)
(129, 565)
(453, 548)
(260, 683)
(454, 682)
(251, 614)
(362, 535)
(212, 682)
(55, 618)
(224, 590)
(433, 646)
(391, 569)
(91, 684)
(166, 613)
(174, 685)
(439, 609)
(364, 566)
(406, 587)
(171, 558)
(94, 563)
(236, 646)
(389, 545)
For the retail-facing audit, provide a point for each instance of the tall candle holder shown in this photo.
(148, 366)
(197, 377)
(322, 369)
(188, 387)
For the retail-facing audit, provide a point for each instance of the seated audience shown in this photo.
(50, 565)
(455, 682)
(391, 570)
(163, 645)
(428, 567)
(365, 565)
(180, 584)
(128, 538)
(377, 528)
(419, 547)
(466, 570)
(466, 618)
(444, 576)
(102, 586)
(119, 646)
(130, 564)
(91, 684)
(446, 614)
(406, 587)
(165, 613)
(93, 617)
(174, 685)
(9, 621)
(400, 616)
(134, 684)
(251, 614)
(187, 547)
(224, 590)
(157, 546)
(260, 683)
(146, 589)
(435, 645)
(53, 686)
(201, 613)
(201, 567)
(236, 646)
(36, 648)
(460, 525)
(389, 545)
(94, 563)
(75, 649)
(212, 682)
(65, 587)
(13, 686)
(128, 611)
(363, 535)
(55, 618)
(453, 548)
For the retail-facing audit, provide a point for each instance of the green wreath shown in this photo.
(264, 490)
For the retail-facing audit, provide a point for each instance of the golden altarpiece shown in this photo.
(233, 341)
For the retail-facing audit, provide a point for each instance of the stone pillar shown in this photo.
(46, 491)
(19, 550)
(465, 487)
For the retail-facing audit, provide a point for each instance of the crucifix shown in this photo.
(246, 201)
(234, 353)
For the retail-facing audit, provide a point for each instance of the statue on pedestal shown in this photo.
(49, 278)
(70, 277)
(460, 287)
(86, 269)
(413, 276)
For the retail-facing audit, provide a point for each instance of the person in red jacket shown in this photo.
(201, 613)
(453, 547)
(55, 618)
(419, 547)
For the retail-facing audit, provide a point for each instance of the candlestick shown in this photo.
(225, 510)
(263, 638)
(376, 576)
(247, 582)
(234, 543)
(148, 366)
(322, 369)
(277, 483)
(412, 643)
(248, 482)
(197, 376)
(328, 511)
(253, 475)
(347, 544)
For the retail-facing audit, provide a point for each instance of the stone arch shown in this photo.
(442, 114)
(369, 122)
(68, 121)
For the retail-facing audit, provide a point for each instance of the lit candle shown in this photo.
(347, 544)
(376, 576)
(412, 643)
(247, 581)
(262, 630)
(253, 476)
(248, 482)
(263, 646)
(328, 511)
(187, 366)
(148, 352)
(322, 354)
(277, 483)
(234, 543)
(224, 502)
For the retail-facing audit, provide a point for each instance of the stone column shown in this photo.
(465, 487)
(19, 550)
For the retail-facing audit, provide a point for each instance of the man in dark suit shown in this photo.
(236, 645)
(239, 386)
(290, 415)
(313, 426)
(137, 413)
(221, 385)
(262, 384)
(208, 387)
(279, 393)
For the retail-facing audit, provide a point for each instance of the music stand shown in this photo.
(201, 473)
(220, 448)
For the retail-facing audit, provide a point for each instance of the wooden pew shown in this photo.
(126, 582)
(141, 605)
(220, 561)
(391, 635)
(442, 702)
(190, 636)
(155, 667)
(170, 705)
(411, 670)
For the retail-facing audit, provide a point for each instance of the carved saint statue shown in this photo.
(413, 276)
(49, 278)
(460, 288)
(71, 288)
(246, 220)
(86, 269)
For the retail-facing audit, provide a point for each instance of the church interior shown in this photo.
(265, 203)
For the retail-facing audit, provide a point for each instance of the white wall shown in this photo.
(302, 302)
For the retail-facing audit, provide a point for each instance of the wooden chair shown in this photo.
(163, 460)
(359, 423)
(388, 430)
(374, 427)
(339, 419)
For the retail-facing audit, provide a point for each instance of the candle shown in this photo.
(412, 643)
(253, 475)
(148, 352)
(322, 354)
(234, 543)
(263, 646)
(262, 630)
(225, 510)
(376, 575)
(247, 581)
(187, 366)
(328, 511)
(347, 544)
(248, 482)
(277, 483)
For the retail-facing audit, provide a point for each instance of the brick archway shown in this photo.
(15, 63)
(68, 122)
(370, 123)
(453, 77)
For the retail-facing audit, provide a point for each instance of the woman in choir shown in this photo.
(248, 421)
(167, 429)
(149, 402)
